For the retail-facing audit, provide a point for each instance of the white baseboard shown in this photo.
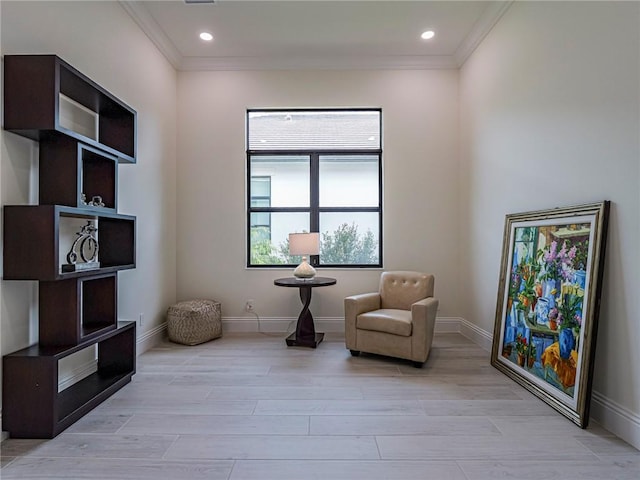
(322, 324)
(278, 324)
(477, 335)
(617, 419)
(150, 338)
(258, 324)
(448, 324)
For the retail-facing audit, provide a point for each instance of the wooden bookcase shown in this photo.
(84, 132)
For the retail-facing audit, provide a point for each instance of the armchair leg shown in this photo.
(355, 353)
(418, 364)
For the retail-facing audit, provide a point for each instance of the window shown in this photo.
(315, 171)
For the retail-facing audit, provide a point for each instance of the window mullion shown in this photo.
(314, 190)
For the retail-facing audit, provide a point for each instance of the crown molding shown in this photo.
(319, 63)
(139, 13)
(482, 27)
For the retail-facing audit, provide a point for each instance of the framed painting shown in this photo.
(548, 300)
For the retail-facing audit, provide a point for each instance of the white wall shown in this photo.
(550, 117)
(101, 40)
(420, 126)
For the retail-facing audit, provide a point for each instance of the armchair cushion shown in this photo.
(397, 322)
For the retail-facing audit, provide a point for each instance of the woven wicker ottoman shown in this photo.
(194, 321)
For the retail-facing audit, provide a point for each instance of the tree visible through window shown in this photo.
(315, 171)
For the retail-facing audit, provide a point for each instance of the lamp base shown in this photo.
(304, 270)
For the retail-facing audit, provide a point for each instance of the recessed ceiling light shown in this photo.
(428, 35)
(206, 36)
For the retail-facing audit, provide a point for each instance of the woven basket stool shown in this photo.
(194, 321)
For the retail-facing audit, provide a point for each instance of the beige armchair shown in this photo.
(397, 321)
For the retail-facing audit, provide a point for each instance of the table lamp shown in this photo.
(304, 244)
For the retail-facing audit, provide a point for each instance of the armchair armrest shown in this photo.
(423, 316)
(365, 302)
(354, 306)
(425, 308)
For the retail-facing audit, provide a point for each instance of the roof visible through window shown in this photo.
(314, 130)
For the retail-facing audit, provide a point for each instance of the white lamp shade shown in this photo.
(304, 243)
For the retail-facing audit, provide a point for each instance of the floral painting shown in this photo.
(548, 297)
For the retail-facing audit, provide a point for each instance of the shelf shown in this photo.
(76, 310)
(61, 351)
(69, 168)
(34, 249)
(82, 397)
(32, 405)
(44, 94)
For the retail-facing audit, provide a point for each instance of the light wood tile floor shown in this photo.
(247, 407)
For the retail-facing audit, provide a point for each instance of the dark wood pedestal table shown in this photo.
(305, 334)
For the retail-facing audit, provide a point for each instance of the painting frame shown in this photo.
(548, 303)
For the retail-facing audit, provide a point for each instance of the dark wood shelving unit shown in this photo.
(84, 132)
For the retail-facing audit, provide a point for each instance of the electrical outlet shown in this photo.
(248, 307)
(140, 319)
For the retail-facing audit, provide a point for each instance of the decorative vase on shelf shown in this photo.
(566, 342)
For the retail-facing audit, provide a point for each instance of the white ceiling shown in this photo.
(315, 34)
